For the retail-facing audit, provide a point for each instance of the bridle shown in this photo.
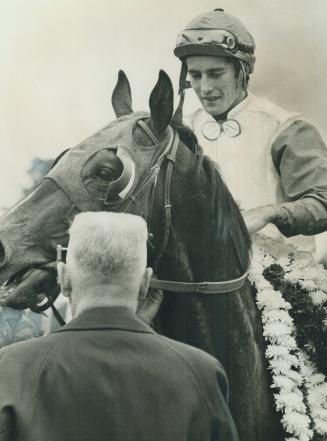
(168, 157)
(174, 286)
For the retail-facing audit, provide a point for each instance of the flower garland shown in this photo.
(301, 392)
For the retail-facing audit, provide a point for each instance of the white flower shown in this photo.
(282, 352)
(318, 378)
(281, 366)
(294, 275)
(274, 351)
(321, 413)
(277, 315)
(318, 394)
(308, 284)
(291, 401)
(284, 261)
(321, 426)
(298, 424)
(318, 297)
(283, 382)
(296, 376)
(271, 299)
(277, 329)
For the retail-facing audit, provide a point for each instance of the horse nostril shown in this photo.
(2, 254)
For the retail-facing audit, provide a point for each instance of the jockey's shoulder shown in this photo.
(261, 104)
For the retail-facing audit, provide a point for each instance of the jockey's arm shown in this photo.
(300, 157)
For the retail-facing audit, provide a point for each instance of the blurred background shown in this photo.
(59, 61)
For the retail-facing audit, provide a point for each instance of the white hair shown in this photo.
(108, 246)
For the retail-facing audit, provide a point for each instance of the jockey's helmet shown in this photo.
(217, 33)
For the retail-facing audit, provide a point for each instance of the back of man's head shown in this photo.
(107, 250)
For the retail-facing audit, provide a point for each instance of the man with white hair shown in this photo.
(107, 375)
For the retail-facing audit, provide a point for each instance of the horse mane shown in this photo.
(227, 227)
(186, 135)
(230, 227)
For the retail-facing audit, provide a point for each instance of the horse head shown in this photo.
(121, 168)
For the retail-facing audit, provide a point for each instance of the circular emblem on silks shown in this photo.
(231, 127)
(211, 130)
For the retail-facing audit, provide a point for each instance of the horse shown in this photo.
(124, 167)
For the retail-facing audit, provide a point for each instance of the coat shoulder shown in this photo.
(195, 359)
(27, 353)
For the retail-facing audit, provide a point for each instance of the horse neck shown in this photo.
(208, 238)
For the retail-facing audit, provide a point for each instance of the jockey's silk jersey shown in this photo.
(276, 159)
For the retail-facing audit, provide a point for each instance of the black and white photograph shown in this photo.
(163, 220)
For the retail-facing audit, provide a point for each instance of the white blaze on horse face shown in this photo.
(214, 81)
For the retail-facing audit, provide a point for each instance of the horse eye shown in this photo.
(105, 173)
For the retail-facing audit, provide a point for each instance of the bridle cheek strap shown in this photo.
(171, 158)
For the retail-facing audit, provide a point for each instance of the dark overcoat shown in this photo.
(108, 376)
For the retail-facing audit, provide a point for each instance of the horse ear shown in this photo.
(161, 103)
(121, 98)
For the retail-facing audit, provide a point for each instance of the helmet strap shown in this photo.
(244, 76)
(183, 84)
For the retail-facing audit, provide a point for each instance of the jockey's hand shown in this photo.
(150, 306)
(257, 218)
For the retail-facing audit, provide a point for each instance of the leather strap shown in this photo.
(148, 131)
(201, 288)
(171, 158)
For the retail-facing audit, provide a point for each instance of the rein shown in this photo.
(168, 155)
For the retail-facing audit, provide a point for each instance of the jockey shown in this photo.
(274, 163)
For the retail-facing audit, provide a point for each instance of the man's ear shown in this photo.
(64, 279)
(145, 284)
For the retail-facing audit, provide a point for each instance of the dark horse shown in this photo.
(207, 242)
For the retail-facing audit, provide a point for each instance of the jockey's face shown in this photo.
(216, 82)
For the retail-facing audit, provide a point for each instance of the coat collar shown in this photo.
(201, 116)
(107, 318)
